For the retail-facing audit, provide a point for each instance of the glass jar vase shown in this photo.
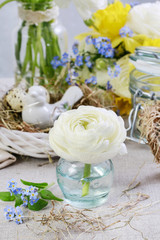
(71, 180)
(144, 83)
(39, 38)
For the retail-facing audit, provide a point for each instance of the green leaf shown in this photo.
(46, 194)
(18, 201)
(38, 206)
(38, 185)
(6, 196)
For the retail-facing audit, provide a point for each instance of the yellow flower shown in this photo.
(152, 42)
(110, 20)
(124, 105)
(82, 36)
(129, 43)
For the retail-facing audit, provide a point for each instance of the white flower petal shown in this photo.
(144, 19)
(62, 3)
(88, 135)
(84, 7)
(87, 7)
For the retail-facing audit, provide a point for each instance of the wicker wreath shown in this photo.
(25, 143)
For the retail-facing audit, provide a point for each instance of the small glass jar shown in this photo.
(144, 82)
(70, 177)
(38, 39)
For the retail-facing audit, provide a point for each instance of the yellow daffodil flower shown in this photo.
(82, 36)
(110, 20)
(129, 43)
(124, 105)
(152, 42)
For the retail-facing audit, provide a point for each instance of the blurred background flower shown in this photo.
(85, 8)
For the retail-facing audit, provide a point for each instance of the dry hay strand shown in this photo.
(150, 128)
(66, 222)
(69, 219)
(95, 97)
(12, 120)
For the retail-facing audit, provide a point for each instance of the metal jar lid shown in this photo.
(147, 60)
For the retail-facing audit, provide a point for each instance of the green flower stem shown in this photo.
(86, 185)
(18, 46)
(35, 51)
(49, 185)
(40, 49)
(26, 59)
(41, 46)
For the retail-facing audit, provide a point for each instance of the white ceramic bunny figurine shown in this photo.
(38, 112)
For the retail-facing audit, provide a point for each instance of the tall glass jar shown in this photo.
(144, 82)
(39, 38)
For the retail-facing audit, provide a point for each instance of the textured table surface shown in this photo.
(141, 209)
(130, 216)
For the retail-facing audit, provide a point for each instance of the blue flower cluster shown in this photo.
(79, 61)
(92, 80)
(104, 51)
(14, 214)
(28, 195)
(114, 72)
(75, 48)
(103, 45)
(108, 86)
(125, 32)
(88, 62)
(12, 186)
(69, 79)
(57, 62)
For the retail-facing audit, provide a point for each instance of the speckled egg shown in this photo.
(15, 99)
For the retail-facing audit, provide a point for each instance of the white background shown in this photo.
(9, 20)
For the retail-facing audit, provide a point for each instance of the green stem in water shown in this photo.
(5, 2)
(41, 54)
(87, 172)
(18, 46)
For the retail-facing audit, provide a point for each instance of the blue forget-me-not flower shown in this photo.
(64, 59)
(68, 79)
(89, 40)
(88, 62)
(125, 32)
(79, 60)
(9, 212)
(108, 86)
(11, 185)
(92, 80)
(56, 62)
(75, 48)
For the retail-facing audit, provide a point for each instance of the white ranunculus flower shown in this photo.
(144, 19)
(88, 134)
(84, 7)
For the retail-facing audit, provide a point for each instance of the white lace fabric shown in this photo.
(36, 17)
